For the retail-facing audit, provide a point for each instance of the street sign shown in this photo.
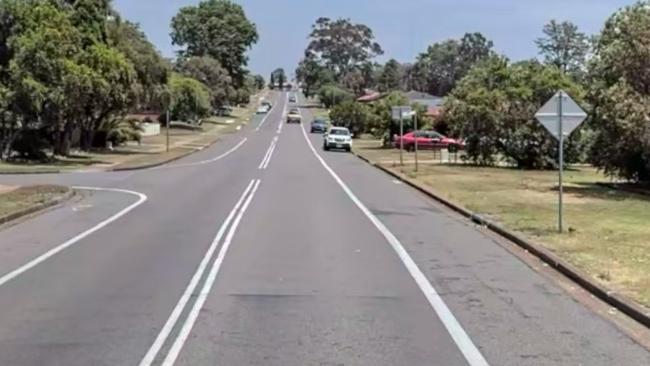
(401, 113)
(560, 116)
(572, 115)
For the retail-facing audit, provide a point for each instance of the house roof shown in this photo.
(424, 99)
(369, 97)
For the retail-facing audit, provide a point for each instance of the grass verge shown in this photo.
(608, 229)
(13, 200)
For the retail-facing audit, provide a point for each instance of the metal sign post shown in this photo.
(560, 116)
(415, 127)
(398, 114)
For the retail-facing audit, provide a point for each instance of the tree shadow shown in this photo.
(601, 191)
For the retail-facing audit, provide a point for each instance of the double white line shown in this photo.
(269, 153)
(235, 218)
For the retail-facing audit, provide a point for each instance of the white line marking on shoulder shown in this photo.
(455, 330)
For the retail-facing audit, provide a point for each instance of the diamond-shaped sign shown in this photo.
(571, 113)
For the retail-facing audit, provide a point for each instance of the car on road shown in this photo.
(294, 116)
(427, 140)
(337, 138)
(267, 104)
(263, 109)
(319, 125)
(292, 99)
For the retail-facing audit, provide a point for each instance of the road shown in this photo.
(265, 250)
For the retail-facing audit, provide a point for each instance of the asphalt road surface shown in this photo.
(265, 250)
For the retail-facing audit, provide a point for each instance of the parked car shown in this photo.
(224, 111)
(267, 104)
(294, 116)
(263, 109)
(337, 138)
(319, 125)
(292, 99)
(427, 140)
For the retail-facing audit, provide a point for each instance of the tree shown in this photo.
(391, 77)
(272, 80)
(190, 98)
(210, 73)
(219, 29)
(437, 70)
(350, 114)
(619, 80)
(331, 95)
(564, 46)
(313, 75)
(342, 45)
(259, 82)
(493, 109)
(279, 77)
(152, 70)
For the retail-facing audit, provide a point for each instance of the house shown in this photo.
(431, 102)
(370, 96)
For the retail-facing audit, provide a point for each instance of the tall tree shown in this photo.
(342, 45)
(391, 77)
(619, 82)
(209, 72)
(219, 29)
(564, 46)
(152, 70)
(280, 77)
(443, 64)
(312, 75)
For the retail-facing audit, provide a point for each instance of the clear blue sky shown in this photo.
(404, 28)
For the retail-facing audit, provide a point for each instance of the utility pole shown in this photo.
(401, 138)
(168, 125)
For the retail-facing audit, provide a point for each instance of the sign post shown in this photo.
(560, 116)
(398, 114)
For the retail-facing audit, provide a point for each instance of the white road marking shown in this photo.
(202, 162)
(42, 258)
(458, 334)
(267, 158)
(207, 286)
(182, 302)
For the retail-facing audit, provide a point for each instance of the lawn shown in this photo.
(150, 150)
(608, 230)
(17, 199)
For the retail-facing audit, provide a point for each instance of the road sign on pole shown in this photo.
(399, 113)
(560, 116)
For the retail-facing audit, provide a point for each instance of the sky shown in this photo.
(404, 28)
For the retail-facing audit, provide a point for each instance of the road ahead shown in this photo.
(265, 250)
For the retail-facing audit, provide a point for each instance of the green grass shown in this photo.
(608, 230)
(24, 197)
(152, 150)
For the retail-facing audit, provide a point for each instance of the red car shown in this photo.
(428, 140)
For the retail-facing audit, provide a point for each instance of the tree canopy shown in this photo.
(219, 29)
(619, 91)
(564, 46)
(342, 45)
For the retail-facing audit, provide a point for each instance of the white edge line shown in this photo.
(219, 157)
(40, 259)
(207, 286)
(182, 302)
(455, 330)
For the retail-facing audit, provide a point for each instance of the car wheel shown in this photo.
(348, 149)
(326, 148)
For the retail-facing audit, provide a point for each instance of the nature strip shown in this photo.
(620, 302)
(37, 207)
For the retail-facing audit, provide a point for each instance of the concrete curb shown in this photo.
(38, 207)
(620, 302)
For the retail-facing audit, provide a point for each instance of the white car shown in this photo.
(337, 138)
(263, 109)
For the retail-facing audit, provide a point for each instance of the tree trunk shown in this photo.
(62, 141)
